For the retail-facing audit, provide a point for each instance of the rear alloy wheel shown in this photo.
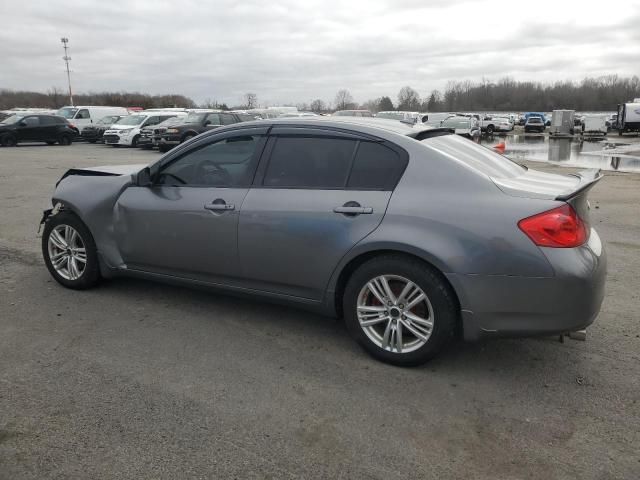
(399, 310)
(9, 141)
(69, 251)
(64, 140)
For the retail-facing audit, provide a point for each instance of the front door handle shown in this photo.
(352, 209)
(219, 205)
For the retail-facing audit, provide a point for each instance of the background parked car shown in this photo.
(93, 133)
(534, 124)
(495, 123)
(465, 126)
(126, 131)
(415, 117)
(150, 136)
(353, 113)
(195, 123)
(83, 116)
(35, 128)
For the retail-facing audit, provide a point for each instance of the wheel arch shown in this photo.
(189, 133)
(349, 266)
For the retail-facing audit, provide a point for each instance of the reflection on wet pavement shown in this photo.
(622, 155)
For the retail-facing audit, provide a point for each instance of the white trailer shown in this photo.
(594, 126)
(562, 122)
(628, 117)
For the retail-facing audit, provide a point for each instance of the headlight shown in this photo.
(125, 132)
(172, 130)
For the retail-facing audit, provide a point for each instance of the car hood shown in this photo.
(107, 170)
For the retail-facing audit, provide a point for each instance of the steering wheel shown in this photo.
(213, 174)
(180, 180)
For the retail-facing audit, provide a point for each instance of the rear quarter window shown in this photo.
(475, 156)
(375, 167)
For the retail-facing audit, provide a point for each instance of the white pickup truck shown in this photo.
(495, 123)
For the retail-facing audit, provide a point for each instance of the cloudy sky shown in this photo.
(299, 50)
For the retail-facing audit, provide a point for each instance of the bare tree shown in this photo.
(344, 100)
(250, 100)
(408, 99)
(318, 106)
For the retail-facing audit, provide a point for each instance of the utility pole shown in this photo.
(66, 59)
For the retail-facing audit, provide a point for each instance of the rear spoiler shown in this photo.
(587, 178)
(432, 132)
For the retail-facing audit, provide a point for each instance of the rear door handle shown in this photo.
(352, 209)
(219, 205)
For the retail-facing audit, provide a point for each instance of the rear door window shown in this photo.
(310, 162)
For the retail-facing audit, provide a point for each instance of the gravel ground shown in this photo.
(142, 380)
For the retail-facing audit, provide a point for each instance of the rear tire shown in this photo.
(490, 129)
(71, 258)
(9, 141)
(389, 329)
(65, 140)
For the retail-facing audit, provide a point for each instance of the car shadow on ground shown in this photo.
(506, 357)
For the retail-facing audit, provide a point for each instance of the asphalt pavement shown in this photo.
(141, 380)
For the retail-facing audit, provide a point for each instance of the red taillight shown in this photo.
(559, 228)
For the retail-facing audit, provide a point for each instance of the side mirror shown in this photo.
(207, 123)
(143, 178)
(22, 123)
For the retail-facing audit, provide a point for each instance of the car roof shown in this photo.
(364, 125)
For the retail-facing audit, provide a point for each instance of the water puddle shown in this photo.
(622, 154)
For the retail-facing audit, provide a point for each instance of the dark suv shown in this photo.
(36, 128)
(195, 123)
(534, 124)
(93, 133)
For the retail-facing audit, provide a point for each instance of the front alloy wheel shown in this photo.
(395, 314)
(67, 252)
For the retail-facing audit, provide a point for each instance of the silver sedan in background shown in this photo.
(411, 234)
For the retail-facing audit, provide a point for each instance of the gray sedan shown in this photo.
(411, 234)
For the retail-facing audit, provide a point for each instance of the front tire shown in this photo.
(490, 129)
(401, 311)
(9, 141)
(69, 251)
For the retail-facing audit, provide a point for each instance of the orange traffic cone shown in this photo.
(500, 146)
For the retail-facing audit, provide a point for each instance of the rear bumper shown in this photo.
(513, 306)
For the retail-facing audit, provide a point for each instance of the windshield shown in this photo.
(107, 120)
(195, 117)
(535, 120)
(131, 120)
(476, 156)
(172, 121)
(67, 112)
(12, 119)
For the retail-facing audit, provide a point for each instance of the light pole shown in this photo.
(66, 59)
